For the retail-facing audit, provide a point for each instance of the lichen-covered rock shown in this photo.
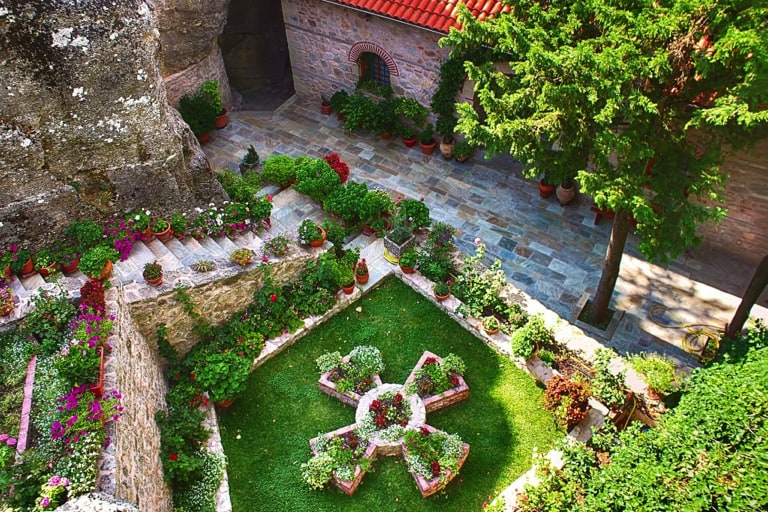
(85, 125)
(96, 502)
(190, 53)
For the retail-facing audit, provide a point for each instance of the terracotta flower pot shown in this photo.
(320, 241)
(70, 267)
(105, 272)
(348, 290)
(408, 270)
(325, 109)
(545, 189)
(97, 388)
(164, 236)
(427, 149)
(363, 279)
(221, 120)
(409, 143)
(441, 298)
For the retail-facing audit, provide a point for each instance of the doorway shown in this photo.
(255, 52)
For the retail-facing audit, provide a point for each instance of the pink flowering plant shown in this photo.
(52, 494)
(7, 459)
(79, 414)
(6, 297)
(123, 234)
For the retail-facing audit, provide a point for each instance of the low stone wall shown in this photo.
(216, 296)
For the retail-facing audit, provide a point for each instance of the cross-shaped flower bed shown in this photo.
(390, 420)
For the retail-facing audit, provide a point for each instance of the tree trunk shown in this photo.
(755, 288)
(611, 266)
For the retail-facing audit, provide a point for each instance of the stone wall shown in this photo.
(320, 36)
(216, 300)
(140, 378)
(85, 126)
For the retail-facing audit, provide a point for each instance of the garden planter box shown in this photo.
(347, 486)
(446, 398)
(393, 251)
(350, 398)
(430, 487)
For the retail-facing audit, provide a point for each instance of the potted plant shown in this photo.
(316, 179)
(445, 126)
(85, 234)
(412, 213)
(45, 262)
(279, 169)
(525, 339)
(373, 207)
(427, 139)
(462, 151)
(96, 262)
(442, 291)
(311, 234)
(568, 399)
(338, 101)
(153, 273)
(211, 89)
(347, 279)
(325, 105)
(241, 256)
(329, 272)
(161, 228)
(346, 200)
(491, 324)
(6, 298)
(21, 261)
(179, 225)
(196, 110)
(657, 371)
(408, 261)
(361, 272)
(397, 241)
(68, 257)
(250, 159)
(566, 190)
(223, 375)
(141, 221)
(413, 116)
(546, 187)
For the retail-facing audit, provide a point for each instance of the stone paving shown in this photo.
(552, 253)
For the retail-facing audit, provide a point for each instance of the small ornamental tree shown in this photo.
(633, 100)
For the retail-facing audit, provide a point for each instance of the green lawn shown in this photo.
(266, 432)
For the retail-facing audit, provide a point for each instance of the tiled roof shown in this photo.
(437, 15)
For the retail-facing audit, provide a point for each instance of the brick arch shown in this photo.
(366, 47)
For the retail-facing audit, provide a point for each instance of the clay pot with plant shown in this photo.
(427, 139)
(241, 256)
(153, 273)
(408, 261)
(442, 291)
(96, 262)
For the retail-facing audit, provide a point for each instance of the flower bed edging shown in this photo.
(348, 487)
(446, 398)
(430, 487)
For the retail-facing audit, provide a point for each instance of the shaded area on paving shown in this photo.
(553, 253)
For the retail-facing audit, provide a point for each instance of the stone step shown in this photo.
(132, 268)
(164, 256)
(182, 252)
(198, 251)
(32, 282)
(214, 249)
(226, 245)
(249, 240)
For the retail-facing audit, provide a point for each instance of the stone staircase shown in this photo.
(177, 257)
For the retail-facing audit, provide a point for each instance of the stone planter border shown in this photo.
(348, 487)
(446, 398)
(350, 398)
(430, 487)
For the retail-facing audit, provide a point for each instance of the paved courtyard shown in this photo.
(552, 253)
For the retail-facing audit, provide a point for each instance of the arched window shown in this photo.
(373, 68)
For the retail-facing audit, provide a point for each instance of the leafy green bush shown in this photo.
(657, 371)
(345, 201)
(279, 169)
(316, 179)
(525, 339)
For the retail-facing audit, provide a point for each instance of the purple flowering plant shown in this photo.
(52, 493)
(80, 413)
(123, 233)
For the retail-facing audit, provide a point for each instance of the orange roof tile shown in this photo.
(437, 15)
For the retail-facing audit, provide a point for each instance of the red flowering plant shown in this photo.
(271, 313)
(432, 453)
(391, 409)
(335, 455)
(340, 167)
(361, 268)
(92, 295)
(568, 399)
(436, 377)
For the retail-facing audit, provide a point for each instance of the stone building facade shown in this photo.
(325, 40)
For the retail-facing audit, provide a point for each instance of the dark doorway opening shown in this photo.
(255, 52)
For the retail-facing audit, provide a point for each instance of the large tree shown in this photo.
(635, 99)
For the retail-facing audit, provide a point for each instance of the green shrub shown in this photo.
(279, 169)
(657, 371)
(316, 179)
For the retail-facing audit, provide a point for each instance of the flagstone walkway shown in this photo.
(552, 253)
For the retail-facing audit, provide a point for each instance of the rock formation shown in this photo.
(85, 125)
